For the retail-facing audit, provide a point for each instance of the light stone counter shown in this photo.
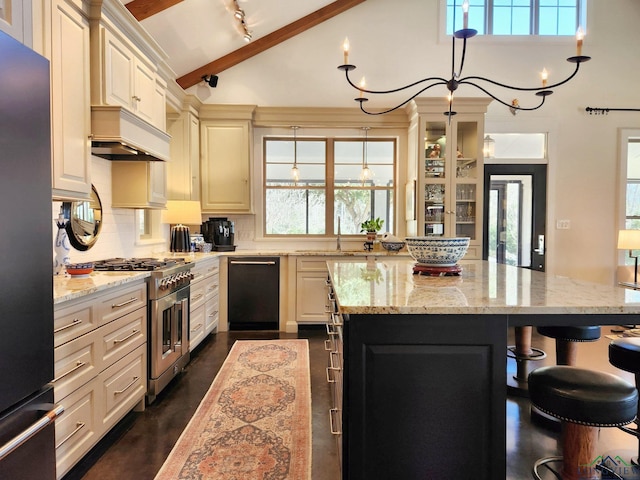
(389, 286)
(66, 287)
(424, 359)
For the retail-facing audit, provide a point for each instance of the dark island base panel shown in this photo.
(425, 397)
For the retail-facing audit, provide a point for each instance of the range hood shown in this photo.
(118, 134)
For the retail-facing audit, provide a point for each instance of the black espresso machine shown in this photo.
(219, 232)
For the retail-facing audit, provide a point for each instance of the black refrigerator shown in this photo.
(27, 412)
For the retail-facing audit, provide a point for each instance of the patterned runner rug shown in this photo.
(255, 420)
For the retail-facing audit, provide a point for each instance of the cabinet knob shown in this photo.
(136, 98)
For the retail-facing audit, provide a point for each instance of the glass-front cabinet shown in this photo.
(450, 170)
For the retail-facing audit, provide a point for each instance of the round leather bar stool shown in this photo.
(523, 353)
(583, 400)
(624, 353)
(567, 339)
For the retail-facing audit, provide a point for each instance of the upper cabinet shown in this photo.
(15, 20)
(225, 142)
(183, 171)
(70, 100)
(124, 59)
(451, 169)
(138, 184)
(129, 79)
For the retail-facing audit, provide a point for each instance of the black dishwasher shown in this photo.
(254, 293)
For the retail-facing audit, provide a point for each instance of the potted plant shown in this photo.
(371, 227)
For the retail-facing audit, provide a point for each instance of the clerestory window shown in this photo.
(519, 17)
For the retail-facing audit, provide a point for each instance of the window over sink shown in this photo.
(352, 179)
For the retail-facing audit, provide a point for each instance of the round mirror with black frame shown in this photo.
(85, 221)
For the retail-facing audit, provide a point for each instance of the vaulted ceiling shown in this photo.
(202, 37)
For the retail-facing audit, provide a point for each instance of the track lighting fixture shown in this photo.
(240, 16)
(212, 80)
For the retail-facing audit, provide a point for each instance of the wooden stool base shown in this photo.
(522, 353)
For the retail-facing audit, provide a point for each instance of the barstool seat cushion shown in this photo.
(624, 353)
(583, 396)
(589, 333)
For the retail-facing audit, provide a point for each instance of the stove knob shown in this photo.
(163, 284)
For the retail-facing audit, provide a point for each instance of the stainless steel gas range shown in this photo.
(168, 315)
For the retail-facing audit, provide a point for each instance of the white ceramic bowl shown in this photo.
(437, 251)
(392, 246)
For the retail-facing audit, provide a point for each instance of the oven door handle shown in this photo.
(181, 328)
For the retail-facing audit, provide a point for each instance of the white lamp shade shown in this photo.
(186, 212)
(629, 239)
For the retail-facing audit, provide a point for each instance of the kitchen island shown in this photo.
(424, 360)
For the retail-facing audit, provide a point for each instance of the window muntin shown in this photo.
(632, 204)
(519, 17)
(330, 185)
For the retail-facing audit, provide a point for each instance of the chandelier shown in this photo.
(456, 79)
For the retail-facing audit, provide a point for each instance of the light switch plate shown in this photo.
(563, 224)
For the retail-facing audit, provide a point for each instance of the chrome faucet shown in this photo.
(338, 247)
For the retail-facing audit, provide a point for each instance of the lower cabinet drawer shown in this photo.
(122, 335)
(122, 386)
(78, 428)
(76, 362)
(197, 294)
(212, 314)
(196, 327)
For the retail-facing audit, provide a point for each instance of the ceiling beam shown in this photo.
(142, 9)
(264, 43)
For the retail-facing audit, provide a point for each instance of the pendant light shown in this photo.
(295, 172)
(366, 172)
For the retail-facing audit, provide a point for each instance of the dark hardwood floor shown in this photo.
(137, 447)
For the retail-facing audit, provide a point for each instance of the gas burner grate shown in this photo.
(135, 264)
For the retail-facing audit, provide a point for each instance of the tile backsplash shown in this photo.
(117, 237)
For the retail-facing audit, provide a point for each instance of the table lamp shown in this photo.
(630, 240)
(179, 214)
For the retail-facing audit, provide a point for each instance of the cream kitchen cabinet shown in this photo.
(226, 160)
(15, 20)
(125, 63)
(70, 100)
(100, 355)
(183, 171)
(138, 184)
(204, 300)
(311, 295)
(451, 170)
(129, 78)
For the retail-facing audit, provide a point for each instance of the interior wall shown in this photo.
(583, 148)
(117, 237)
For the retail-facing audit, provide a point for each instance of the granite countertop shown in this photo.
(389, 286)
(66, 287)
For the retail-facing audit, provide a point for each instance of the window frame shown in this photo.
(581, 20)
(626, 136)
(153, 227)
(329, 186)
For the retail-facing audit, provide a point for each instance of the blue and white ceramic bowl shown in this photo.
(392, 246)
(437, 251)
